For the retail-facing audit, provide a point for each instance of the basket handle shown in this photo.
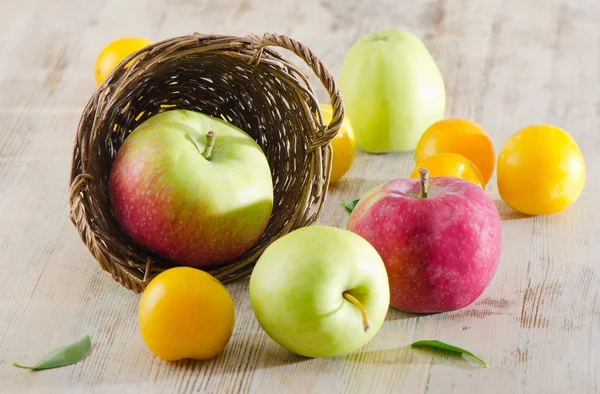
(304, 53)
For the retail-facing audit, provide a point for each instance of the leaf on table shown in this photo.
(63, 356)
(441, 345)
(349, 206)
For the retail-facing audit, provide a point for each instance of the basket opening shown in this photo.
(253, 98)
(237, 79)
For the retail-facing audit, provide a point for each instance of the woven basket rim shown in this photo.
(127, 265)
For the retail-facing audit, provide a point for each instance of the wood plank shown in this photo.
(507, 64)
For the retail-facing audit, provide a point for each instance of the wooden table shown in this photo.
(507, 64)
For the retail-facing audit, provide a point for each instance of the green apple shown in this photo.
(192, 188)
(392, 91)
(320, 291)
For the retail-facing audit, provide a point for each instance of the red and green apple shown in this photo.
(192, 188)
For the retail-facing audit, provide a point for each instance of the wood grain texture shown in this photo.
(507, 64)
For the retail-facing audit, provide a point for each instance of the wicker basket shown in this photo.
(237, 79)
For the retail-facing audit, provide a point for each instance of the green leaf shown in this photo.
(62, 356)
(441, 345)
(349, 206)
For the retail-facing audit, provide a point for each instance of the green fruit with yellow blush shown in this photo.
(320, 291)
(392, 91)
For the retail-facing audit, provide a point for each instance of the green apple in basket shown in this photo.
(320, 291)
(192, 188)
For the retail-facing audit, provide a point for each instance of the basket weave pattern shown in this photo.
(240, 80)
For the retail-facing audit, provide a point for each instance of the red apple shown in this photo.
(440, 240)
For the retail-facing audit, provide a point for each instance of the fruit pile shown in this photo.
(198, 191)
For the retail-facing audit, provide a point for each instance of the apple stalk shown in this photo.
(424, 178)
(360, 306)
(210, 142)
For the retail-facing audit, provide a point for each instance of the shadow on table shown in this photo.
(507, 213)
(407, 355)
(246, 353)
(396, 314)
(343, 183)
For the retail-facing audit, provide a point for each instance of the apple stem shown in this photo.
(210, 142)
(360, 306)
(424, 175)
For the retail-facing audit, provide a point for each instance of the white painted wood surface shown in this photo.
(507, 64)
